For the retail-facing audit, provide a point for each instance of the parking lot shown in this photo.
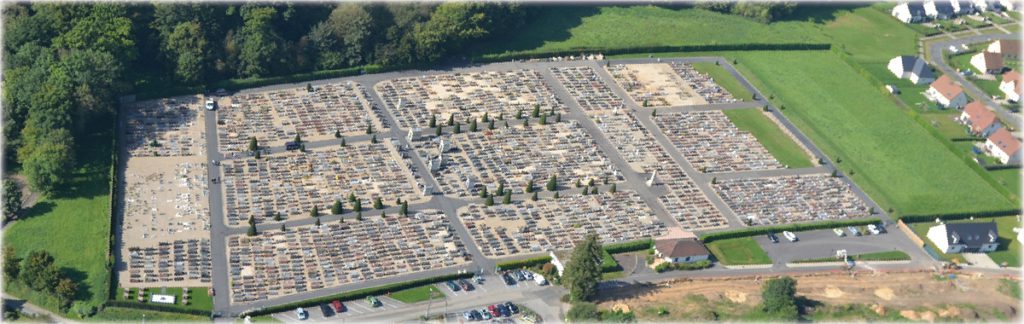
(824, 243)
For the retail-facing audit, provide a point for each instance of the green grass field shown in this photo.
(118, 314)
(1009, 178)
(846, 117)
(74, 228)
(739, 251)
(725, 80)
(780, 145)
(874, 256)
(198, 297)
(417, 294)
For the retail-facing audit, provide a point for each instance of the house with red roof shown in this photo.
(947, 93)
(1002, 145)
(979, 120)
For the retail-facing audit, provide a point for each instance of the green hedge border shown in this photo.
(623, 247)
(154, 307)
(955, 216)
(524, 263)
(355, 294)
(859, 257)
(711, 237)
(486, 58)
(114, 203)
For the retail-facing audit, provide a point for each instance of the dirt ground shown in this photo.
(918, 296)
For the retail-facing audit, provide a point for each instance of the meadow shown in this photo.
(780, 145)
(738, 251)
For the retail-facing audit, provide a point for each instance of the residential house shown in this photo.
(983, 5)
(1009, 4)
(1003, 146)
(962, 7)
(988, 62)
(965, 237)
(979, 120)
(681, 250)
(1009, 48)
(946, 93)
(909, 12)
(912, 68)
(941, 9)
(1011, 86)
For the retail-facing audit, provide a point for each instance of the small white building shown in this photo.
(946, 93)
(1011, 86)
(1003, 146)
(909, 12)
(965, 237)
(988, 62)
(681, 250)
(911, 68)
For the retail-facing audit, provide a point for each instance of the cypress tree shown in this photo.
(501, 188)
(437, 131)
(508, 198)
(472, 126)
(451, 120)
(543, 119)
(483, 192)
(377, 203)
(583, 270)
(536, 111)
(612, 189)
(433, 120)
(404, 210)
(552, 183)
(458, 128)
(489, 201)
(315, 212)
(490, 124)
(337, 134)
(336, 208)
(534, 197)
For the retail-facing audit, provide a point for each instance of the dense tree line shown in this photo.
(65, 65)
(38, 272)
(765, 12)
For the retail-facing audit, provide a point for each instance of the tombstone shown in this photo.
(650, 182)
(444, 146)
(399, 103)
(413, 134)
(470, 183)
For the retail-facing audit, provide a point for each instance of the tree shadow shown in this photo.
(820, 13)
(806, 305)
(549, 23)
(39, 209)
(84, 290)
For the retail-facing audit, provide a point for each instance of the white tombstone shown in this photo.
(650, 182)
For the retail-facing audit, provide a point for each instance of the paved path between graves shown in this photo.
(935, 51)
(818, 170)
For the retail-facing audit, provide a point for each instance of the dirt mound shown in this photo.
(951, 311)
(833, 292)
(884, 293)
(928, 316)
(909, 314)
(621, 307)
(736, 296)
(879, 309)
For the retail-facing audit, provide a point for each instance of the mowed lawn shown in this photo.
(739, 251)
(725, 80)
(570, 27)
(1009, 247)
(895, 160)
(417, 294)
(780, 145)
(74, 228)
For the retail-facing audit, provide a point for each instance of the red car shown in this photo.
(494, 311)
(338, 306)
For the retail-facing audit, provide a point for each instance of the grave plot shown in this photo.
(466, 95)
(657, 84)
(292, 183)
(275, 117)
(165, 127)
(588, 89)
(469, 161)
(779, 200)
(703, 84)
(712, 143)
(537, 226)
(277, 263)
(166, 223)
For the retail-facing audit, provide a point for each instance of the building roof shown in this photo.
(1008, 46)
(680, 248)
(1014, 77)
(980, 117)
(911, 64)
(993, 61)
(1005, 141)
(944, 86)
(972, 234)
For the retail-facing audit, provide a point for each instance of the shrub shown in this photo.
(668, 266)
(623, 247)
(525, 263)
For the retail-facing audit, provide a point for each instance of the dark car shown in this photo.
(508, 279)
(452, 285)
(465, 285)
(503, 310)
(520, 275)
(512, 307)
(326, 310)
(773, 238)
(476, 315)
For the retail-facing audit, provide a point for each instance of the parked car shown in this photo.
(452, 285)
(520, 275)
(512, 307)
(476, 314)
(478, 279)
(528, 274)
(486, 315)
(326, 310)
(839, 232)
(505, 312)
(773, 238)
(853, 230)
(790, 236)
(494, 311)
(373, 301)
(338, 306)
(873, 229)
(301, 314)
(465, 285)
(539, 279)
(210, 104)
(508, 279)
(468, 316)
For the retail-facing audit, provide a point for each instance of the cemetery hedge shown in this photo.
(751, 231)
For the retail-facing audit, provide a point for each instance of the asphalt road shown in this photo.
(449, 205)
(935, 51)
